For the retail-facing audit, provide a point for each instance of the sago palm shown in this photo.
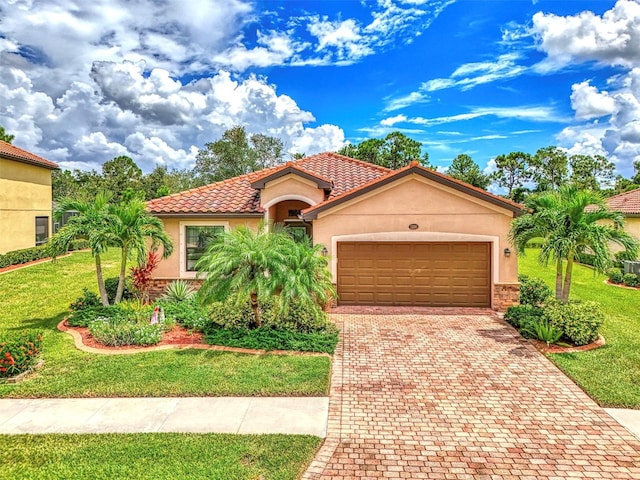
(135, 230)
(570, 222)
(93, 223)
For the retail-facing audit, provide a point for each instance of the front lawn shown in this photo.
(153, 456)
(38, 297)
(611, 374)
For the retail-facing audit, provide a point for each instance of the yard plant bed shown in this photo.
(39, 299)
(608, 374)
(555, 348)
(153, 456)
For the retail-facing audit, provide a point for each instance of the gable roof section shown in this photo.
(291, 168)
(237, 196)
(627, 203)
(11, 152)
(312, 212)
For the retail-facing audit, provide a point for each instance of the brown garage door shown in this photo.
(410, 273)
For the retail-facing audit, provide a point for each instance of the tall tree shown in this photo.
(121, 176)
(512, 172)
(465, 169)
(590, 171)
(549, 168)
(571, 221)
(4, 136)
(135, 230)
(235, 154)
(396, 150)
(93, 223)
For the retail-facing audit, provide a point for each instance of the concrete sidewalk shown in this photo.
(630, 419)
(244, 415)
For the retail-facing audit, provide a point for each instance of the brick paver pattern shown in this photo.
(460, 397)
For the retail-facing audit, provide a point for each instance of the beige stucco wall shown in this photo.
(171, 267)
(25, 193)
(632, 225)
(441, 213)
(291, 187)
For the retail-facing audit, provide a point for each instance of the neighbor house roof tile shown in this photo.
(627, 203)
(236, 196)
(19, 155)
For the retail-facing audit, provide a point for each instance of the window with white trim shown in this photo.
(197, 240)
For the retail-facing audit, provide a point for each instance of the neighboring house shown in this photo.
(411, 236)
(25, 198)
(628, 204)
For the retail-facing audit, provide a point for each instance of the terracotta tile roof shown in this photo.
(291, 167)
(625, 203)
(236, 196)
(19, 155)
(413, 167)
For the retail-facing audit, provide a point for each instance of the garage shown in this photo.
(435, 274)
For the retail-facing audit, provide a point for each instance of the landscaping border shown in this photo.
(544, 348)
(18, 378)
(77, 338)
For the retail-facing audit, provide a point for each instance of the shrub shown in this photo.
(88, 299)
(119, 331)
(79, 244)
(266, 338)
(533, 291)
(615, 275)
(542, 330)
(24, 255)
(188, 313)
(521, 315)
(230, 314)
(83, 317)
(141, 276)
(179, 291)
(630, 280)
(299, 317)
(578, 321)
(111, 285)
(19, 352)
(586, 258)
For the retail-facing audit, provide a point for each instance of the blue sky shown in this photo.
(155, 80)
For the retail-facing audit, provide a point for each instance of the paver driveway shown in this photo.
(460, 397)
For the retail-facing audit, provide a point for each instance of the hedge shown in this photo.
(26, 255)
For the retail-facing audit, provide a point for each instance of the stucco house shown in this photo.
(25, 198)
(628, 204)
(410, 236)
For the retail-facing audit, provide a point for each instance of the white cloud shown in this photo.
(610, 39)
(391, 121)
(404, 101)
(589, 103)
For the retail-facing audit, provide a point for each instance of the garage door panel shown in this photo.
(403, 273)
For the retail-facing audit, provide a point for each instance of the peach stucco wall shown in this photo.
(441, 213)
(170, 268)
(291, 187)
(25, 193)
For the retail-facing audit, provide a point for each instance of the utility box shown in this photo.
(631, 267)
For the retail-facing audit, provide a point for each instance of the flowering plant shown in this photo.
(18, 353)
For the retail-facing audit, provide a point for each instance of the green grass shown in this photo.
(155, 456)
(611, 374)
(38, 297)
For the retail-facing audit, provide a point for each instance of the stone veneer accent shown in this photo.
(505, 295)
(159, 284)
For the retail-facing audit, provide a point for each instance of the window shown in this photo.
(42, 230)
(294, 213)
(198, 238)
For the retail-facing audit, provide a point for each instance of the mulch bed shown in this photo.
(178, 335)
(544, 348)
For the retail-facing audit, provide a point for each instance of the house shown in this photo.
(25, 198)
(628, 204)
(411, 236)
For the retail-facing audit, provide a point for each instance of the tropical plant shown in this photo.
(134, 230)
(569, 222)
(93, 223)
(178, 291)
(141, 276)
(244, 264)
(542, 330)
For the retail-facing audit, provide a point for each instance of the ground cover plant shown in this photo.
(39, 299)
(184, 456)
(610, 374)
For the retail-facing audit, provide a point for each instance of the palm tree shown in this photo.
(243, 264)
(92, 223)
(135, 230)
(570, 222)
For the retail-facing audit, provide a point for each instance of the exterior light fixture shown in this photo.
(324, 251)
(507, 252)
(414, 226)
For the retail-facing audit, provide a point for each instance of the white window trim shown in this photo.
(183, 242)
